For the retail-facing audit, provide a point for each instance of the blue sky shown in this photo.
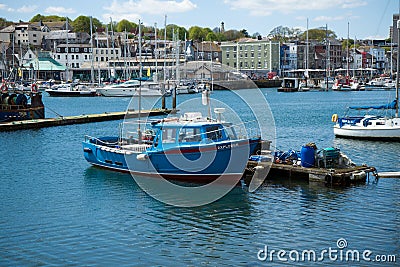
(367, 18)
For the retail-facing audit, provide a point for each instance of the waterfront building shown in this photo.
(253, 57)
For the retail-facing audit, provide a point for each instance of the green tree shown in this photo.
(196, 33)
(4, 23)
(245, 33)
(211, 36)
(51, 18)
(125, 25)
(318, 34)
(281, 34)
(232, 35)
(344, 44)
(82, 24)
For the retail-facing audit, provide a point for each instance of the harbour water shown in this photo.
(58, 210)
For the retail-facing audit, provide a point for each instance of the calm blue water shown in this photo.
(58, 210)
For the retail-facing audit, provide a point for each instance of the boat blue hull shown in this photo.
(183, 163)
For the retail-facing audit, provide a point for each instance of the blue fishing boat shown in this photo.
(190, 148)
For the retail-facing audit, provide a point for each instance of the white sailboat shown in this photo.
(372, 126)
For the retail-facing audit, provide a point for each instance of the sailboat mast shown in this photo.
(398, 66)
(140, 80)
(67, 70)
(347, 48)
(91, 48)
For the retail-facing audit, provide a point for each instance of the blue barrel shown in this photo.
(307, 155)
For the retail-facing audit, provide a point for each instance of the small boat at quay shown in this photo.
(16, 105)
(68, 89)
(131, 88)
(190, 148)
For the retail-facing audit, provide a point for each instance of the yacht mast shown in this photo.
(91, 48)
(398, 66)
(140, 80)
(347, 48)
(67, 70)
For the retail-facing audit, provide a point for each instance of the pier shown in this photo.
(330, 177)
(68, 120)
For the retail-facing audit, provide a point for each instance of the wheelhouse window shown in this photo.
(169, 136)
(189, 135)
(214, 133)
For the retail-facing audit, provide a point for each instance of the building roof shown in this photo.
(46, 62)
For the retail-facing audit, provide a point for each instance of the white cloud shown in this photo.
(327, 18)
(131, 9)
(3, 6)
(27, 9)
(59, 10)
(266, 7)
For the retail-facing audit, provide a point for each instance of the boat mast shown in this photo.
(165, 49)
(140, 80)
(155, 52)
(326, 57)
(347, 48)
(67, 70)
(91, 47)
(398, 66)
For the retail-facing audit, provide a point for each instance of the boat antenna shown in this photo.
(398, 66)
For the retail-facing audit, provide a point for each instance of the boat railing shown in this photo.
(138, 148)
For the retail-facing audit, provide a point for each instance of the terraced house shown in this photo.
(251, 56)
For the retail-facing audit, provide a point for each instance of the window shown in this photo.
(227, 55)
(58, 49)
(85, 49)
(189, 135)
(66, 50)
(77, 65)
(169, 136)
(85, 57)
(214, 133)
(73, 57)
(77, 56)
(58, 57)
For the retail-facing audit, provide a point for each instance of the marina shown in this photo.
(69, 198)
(125, 143)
